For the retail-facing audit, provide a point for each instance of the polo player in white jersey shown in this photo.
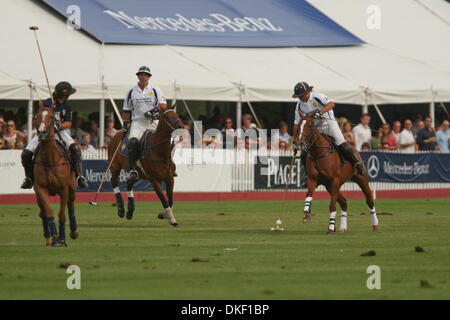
(313, 101)
(142, 106)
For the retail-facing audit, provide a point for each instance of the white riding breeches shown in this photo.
(331, 128)
(139, 126)
(65, 136)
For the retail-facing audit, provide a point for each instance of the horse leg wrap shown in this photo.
(52, 226)
(45, 225)
(332, 225)
(168, 214)
(373, 216)
(62, 230)
(307, 204)
(72, 220)
(343, 221)
(119, 199)
(130, 206)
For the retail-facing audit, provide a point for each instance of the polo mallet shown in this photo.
(278, 222)
(106, 172)
(34, 28)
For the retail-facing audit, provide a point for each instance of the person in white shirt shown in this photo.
(406, 141)
(142, 106)
(310, 102)
(362, 131)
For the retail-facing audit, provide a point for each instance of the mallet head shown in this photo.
(34, 28)
(93, 203)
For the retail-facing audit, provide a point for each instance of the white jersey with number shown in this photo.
(140, 102)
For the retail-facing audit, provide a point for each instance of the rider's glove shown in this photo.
(125, 128)
(317, 115)
(152, 114)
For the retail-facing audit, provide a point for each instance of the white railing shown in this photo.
(242, 172)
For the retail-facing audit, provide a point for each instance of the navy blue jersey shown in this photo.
(62, 112)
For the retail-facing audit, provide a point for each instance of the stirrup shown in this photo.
(27, 183)
(81, 182)
(133, 175)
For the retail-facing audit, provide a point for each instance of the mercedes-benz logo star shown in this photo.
(373, 165)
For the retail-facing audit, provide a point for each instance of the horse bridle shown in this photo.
(52, 123)
(168, 121)
(308, 143)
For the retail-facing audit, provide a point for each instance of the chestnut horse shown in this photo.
(53, 175)
(155, 164)
(325, 167)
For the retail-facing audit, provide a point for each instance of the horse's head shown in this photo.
(172, 119)
(44, 123)
(307, 128)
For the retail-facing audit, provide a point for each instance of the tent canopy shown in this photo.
(381, 71)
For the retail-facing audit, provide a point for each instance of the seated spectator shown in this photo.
(388, 138)
(442, 137)
(365, 146)
(406, 141)
(110, 131)
(75, 139)
(362, 131)
(282, 136)
(248, 126)
(189, 126)
(228, 134)
(396, 128)
(348, 134)
(2, 130)
(86, 144)
(376, 141)
(14, 139)
(94, 133)
(75, 129)
(426, 138)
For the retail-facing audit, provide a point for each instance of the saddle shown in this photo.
(333, 148)
(142, 145)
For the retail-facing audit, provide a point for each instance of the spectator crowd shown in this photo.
(219, 132)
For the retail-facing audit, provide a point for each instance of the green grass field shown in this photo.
(240, 258)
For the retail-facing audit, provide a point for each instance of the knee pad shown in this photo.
(133, 144)
(75, 150)
(27, 157)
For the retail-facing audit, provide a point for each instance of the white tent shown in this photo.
(394, 67)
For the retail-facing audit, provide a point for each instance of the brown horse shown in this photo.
(53, 175)
(325, 167)
(155, 164)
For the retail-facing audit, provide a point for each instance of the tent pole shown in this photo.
(101, 125)
(431, 109)
(30, 114)
(239, 110)
(238, 114)
(365, 107)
